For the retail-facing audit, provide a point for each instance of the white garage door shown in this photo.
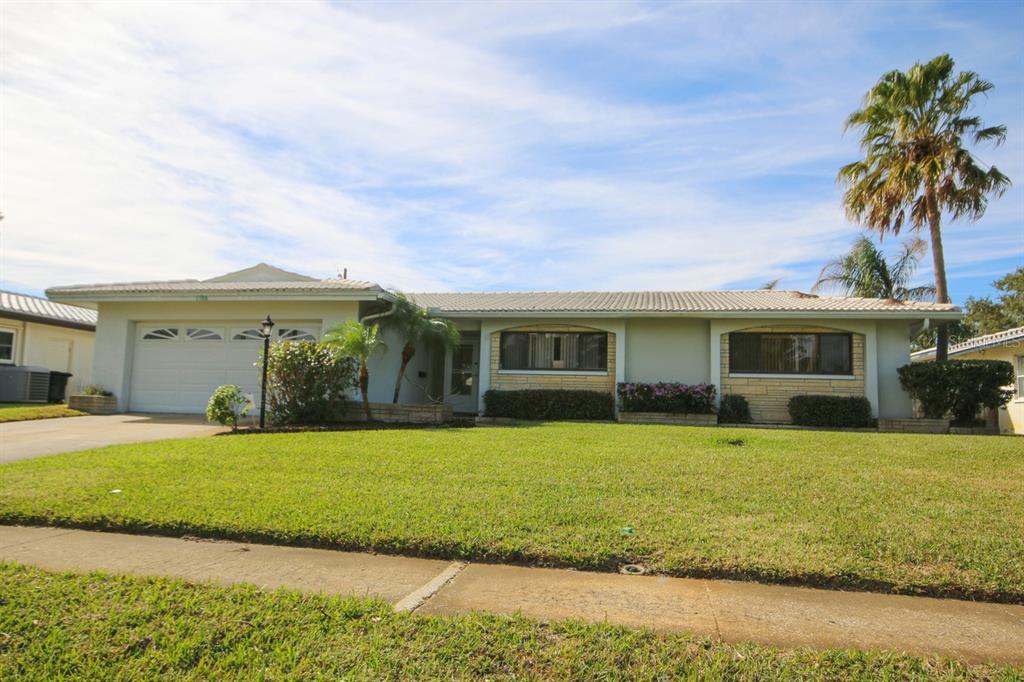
(177, 366)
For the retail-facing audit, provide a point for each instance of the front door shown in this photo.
(463, 377)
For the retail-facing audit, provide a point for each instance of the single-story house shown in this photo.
(1006, 345)
(36, 332)
(164, 346)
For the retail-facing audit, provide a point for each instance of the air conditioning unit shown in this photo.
(24, 384)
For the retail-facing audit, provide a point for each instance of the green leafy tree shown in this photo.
(916, 166)
(360, 342)
(865, 272)
(414, 324)
(1011, 301)
(984, 315)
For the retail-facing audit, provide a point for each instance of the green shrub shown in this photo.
(549, 404)
(831, 410)
(960, 387)
(734, 409)
(227, 405)
(96, 389)
(308, 383)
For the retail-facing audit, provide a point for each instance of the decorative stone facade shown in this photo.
(916, 425)
(93, 404)
(514, 380)
(668, 418)
(769, 396)
(435, 413)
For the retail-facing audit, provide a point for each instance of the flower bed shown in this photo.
(670, 398)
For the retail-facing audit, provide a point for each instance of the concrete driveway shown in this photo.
(27, 439)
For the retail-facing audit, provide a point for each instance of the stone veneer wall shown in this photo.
(769, 397)
(515, 381)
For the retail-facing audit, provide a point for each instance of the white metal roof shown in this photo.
(1002, 338)
(23, 306)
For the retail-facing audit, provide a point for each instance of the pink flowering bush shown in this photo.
(667, 397)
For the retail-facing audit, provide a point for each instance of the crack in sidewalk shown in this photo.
(711, 608)
(420, 596)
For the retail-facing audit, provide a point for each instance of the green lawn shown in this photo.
(941, 515)
(63, 626)
(18, 412)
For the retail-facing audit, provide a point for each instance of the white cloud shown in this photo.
(469, 148)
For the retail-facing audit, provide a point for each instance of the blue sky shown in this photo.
(470, 146)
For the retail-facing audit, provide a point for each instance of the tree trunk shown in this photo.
(407, 352)
(939, 266)
(364, 388)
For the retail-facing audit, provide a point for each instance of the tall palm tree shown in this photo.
(414, 324)
(916, 165)
(359, 341)
(865, 272)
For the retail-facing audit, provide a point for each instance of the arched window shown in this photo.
(286, 334)
(247, 335)
(161, 334)
(203, 334)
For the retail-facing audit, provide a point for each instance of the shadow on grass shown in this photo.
(840, 581)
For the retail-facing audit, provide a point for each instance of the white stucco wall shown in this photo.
(59, 349)
(667, 349)
(383, 368)
(893, 348)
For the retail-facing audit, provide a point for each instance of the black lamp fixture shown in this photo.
(266, 327)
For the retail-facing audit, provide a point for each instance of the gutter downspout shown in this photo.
(377, 316)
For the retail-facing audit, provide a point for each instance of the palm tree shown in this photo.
(915, 165)
(864, 272)
(414, 324)
(359, 341)
(770, 285)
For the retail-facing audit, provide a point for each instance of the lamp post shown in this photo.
(266, 327)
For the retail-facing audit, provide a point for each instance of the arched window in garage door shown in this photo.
(294, 334)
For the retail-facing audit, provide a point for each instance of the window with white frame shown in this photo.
(1020, 377)
(286, 334)
(247, 335)
(203, 334)
(161, 334)
(7, 346)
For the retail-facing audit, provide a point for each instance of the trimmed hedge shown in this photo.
(960, 387)
(734, 409)
(549, 404)
(667, 397)
(831, 410)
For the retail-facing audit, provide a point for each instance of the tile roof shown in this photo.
(977, 343)
(24, 306)
(195, 286)
(755, 301)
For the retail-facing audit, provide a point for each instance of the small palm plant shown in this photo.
(360, 342)
(865, 272)
(414, 324)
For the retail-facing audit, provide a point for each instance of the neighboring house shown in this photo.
(164, 346)
(1006, 345)
(37, 332)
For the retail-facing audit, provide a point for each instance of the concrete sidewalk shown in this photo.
(727, 610)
